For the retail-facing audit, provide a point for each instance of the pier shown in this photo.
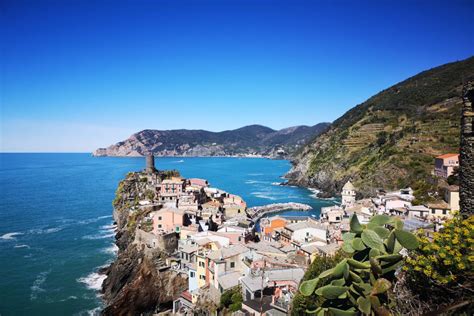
(257, 212)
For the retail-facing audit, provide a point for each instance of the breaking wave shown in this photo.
(98, 236)
(10, 236)
(21, 246)
(93, 281)
(113, 249)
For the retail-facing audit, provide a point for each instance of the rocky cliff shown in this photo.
(248, 140)
(390, 140)
(134, 284)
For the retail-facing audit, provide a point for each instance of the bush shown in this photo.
(232, 299)
(438, 276)
(321, 263)
(363, 283)
(449, 257)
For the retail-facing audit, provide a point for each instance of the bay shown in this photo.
(56, 224)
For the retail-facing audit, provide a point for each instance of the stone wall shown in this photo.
(165, 242)
(466, 174)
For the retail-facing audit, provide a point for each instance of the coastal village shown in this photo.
(221, 246)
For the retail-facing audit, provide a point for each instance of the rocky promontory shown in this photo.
(135, 284)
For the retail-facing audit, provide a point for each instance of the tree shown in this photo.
(453, 179)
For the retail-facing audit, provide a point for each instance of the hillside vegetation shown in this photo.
(390, 140)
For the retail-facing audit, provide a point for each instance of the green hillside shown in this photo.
(390, 140)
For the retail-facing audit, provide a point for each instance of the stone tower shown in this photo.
(466, 174)
(150, 164)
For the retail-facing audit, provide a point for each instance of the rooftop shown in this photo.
(229, 280)
(227, 252)
(348, 186)
(305, 224)
(439, 205)
(254, 283)
(447, 156)
(264, 246)
(170, 209)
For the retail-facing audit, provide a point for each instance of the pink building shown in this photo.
(198, 182)
(168, 219)
(444, 164)
(171, 189)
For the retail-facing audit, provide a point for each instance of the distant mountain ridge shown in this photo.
(249, 140)
(390, 140)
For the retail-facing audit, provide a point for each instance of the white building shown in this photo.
(348, 194)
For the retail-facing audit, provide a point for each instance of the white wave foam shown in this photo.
(93, 220)
(36, 287)
(264, 195)
(21, 246)
(41, 231)
(10, 236)
(93, 281)
(111, 250)
(72, 297)
(111, 227)
(98, 236)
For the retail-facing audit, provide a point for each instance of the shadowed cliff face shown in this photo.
(133, 284)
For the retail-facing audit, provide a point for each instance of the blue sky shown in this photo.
(76, 75)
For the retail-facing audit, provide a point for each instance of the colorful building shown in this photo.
(445, 164)
(168, 219)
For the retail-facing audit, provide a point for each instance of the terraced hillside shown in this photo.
(390, 140)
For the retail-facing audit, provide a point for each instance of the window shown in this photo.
(432, 211)
(192, 274)
(202, 277)
(159, 225)
(159, 218)
(444, 212)
(232, 264)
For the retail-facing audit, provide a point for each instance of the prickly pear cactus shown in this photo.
(361, 284)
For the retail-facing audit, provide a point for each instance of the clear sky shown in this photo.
(76, 75)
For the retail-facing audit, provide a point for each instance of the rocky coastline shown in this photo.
(134, 285)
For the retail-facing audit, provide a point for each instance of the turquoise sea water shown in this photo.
(56, 224)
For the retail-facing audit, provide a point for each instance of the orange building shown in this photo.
(269, 224)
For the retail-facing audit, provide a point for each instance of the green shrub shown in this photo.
(362, 283)
(232, 299)
(321, 263)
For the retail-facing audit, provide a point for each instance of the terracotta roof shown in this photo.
(447, 156)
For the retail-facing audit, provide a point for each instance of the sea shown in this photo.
(56, 226)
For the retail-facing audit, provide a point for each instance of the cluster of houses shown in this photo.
(397, 203)
(209, 237)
